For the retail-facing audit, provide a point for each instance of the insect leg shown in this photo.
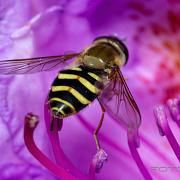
(56, 123)
(99, 126)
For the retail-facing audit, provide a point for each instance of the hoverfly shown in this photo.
(95, 75)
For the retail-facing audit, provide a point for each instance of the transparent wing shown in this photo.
(32, 65)
(119, 103)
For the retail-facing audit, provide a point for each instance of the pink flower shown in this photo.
(42, 28)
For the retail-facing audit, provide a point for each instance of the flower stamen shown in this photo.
(174, 109)
(31, 122)
(59, 155)
(133, 143)
(162, 123)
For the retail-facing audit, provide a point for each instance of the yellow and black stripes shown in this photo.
(73, 89)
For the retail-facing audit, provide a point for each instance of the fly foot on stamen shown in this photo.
(99, 159)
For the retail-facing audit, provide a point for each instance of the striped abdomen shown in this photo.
(72, 90)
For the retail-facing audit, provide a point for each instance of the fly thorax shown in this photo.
(93, 62)
(99, 56)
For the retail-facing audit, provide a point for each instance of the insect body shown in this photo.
(95, 75)
(73, 89)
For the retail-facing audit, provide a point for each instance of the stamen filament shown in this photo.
(162, 123)
(133, 149)
(31, 122)
(135, 142)
(174, 109)
(60, 157)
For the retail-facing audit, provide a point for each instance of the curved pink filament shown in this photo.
(42, 158)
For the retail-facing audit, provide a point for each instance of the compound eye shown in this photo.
(125, 53)
(123, 58)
